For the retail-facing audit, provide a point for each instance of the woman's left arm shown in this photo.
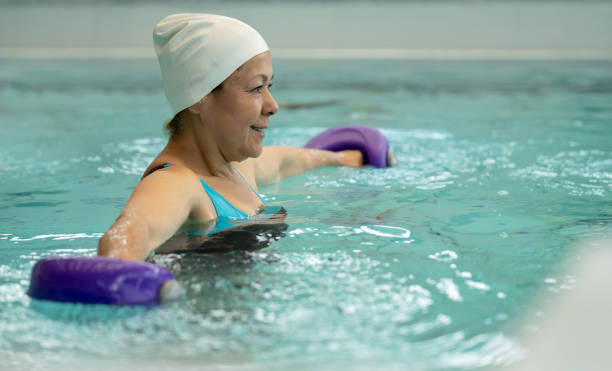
(277, 163)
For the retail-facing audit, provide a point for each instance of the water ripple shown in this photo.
(55, 237)
(130, 157)
(581, 173)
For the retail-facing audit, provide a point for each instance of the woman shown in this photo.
(217, 75)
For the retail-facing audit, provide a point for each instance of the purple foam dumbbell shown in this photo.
(370, 141)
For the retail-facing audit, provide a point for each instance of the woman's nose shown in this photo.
(270, 106)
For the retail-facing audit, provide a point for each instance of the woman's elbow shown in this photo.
(104, 246)
(114, 247)
(124, 243)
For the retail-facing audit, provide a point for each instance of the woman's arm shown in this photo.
(159, 205)
(277, 163)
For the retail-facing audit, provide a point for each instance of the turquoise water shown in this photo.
(437, 263)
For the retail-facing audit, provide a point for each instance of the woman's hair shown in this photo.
(174, 126)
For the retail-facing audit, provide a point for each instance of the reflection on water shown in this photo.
(251, 234)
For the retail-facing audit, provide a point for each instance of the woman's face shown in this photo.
(240, 111)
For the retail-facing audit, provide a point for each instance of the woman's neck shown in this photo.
(199, 153)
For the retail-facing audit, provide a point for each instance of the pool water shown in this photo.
(437, 263)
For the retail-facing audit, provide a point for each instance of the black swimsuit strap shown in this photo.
(154, 170)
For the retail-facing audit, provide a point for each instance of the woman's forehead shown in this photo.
(258, 67)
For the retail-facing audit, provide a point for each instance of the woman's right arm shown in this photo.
(277, 163)
(157, 208)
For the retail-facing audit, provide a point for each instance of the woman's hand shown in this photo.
(351, 158)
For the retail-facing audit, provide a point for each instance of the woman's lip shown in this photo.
(259, 131)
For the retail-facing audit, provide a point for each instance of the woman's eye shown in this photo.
(261, 87)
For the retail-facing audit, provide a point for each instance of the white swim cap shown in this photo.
(197, 52)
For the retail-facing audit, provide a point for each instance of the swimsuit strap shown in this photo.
(158, 167)
(252, 189)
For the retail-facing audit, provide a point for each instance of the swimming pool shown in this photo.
(433, 264)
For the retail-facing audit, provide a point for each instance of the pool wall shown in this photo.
(457, 29)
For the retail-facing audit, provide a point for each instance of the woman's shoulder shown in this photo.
(176, 184)
(165, 164)
(165, 174)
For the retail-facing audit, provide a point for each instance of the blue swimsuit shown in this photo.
(227, 214)
(222, 206)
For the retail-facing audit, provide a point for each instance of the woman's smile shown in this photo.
(259, 130)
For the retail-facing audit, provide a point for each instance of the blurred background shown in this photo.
(537, 101)
(434, 29)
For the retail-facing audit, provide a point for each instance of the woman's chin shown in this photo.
(251, 152)
(258, 152)
(255, 149)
